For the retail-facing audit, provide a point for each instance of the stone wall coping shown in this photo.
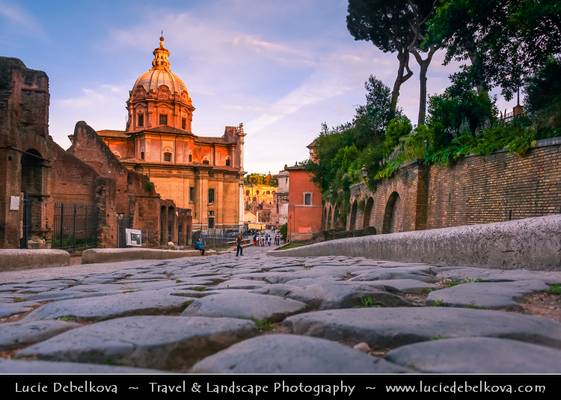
(531, 243)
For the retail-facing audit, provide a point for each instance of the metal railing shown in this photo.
(75, 226)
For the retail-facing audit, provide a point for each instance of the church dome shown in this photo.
(152, 79)
(160, 74)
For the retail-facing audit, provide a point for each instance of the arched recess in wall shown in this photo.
(390, 214)
(32, 188)
(368, 212)
(354, 208)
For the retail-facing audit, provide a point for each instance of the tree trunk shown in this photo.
(403, 58)
(422, 93)
(423, 66)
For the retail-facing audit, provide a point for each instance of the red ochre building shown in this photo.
(200, 174)
(304, 205)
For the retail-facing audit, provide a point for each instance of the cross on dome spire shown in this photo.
(161, 55)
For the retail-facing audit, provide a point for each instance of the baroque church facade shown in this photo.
(201, 174)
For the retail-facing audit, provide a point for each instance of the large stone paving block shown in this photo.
(244, 305)
(112, 306)
(8, 309)
(18, 334)
(404, 285)
(161, 342)
(392, 327)
(292, 354)
(329, 295)
(416, 273)
(477, 355)
(485, 295)
(51, 367)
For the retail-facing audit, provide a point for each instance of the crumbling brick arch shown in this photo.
(368, 212)
(354, 211)
(391, 214)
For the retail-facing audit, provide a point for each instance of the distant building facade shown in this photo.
(202, 175)
(82, 197)
(282, 197)
(260, 198)
(304, 205)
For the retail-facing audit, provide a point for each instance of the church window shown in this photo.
(228, 162)
(190, 157)
(163, 119)
(247, 192)
(141, 119)
(142, 155)
(183, 123)
(167, 156)
(210, 196)
(191, 193)
(268, 192)
(206, 162)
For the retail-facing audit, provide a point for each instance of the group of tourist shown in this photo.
(266, 239)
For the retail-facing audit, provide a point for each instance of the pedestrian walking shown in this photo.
(239, 248)
(200, 245)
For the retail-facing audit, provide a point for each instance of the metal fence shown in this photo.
(217, 237)
(75, 226)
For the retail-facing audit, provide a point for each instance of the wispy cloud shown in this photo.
(20, 19)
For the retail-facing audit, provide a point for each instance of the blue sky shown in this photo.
(280, 67)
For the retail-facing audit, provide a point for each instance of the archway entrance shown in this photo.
(354, 207)
(390, 214)
(32, 190)
(367, 212)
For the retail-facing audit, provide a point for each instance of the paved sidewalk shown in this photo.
(259, 313)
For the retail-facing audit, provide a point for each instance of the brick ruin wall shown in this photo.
(475, 190)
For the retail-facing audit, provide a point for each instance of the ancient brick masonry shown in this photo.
(36, 174)
(477, 189)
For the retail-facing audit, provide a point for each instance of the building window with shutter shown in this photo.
(192, 193)
(307, 199)
(210, 196)
(163, 119)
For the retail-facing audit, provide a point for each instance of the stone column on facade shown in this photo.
(202, 198)
(220, 202)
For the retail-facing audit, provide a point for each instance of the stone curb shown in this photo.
(532, 243)
(92, 256)
(16, 259)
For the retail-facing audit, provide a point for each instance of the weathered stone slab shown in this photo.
(477, 355)
(329, 295)
(403, 285)
(161, 342)
(292, 354)
(92, 256)
(51, 367)
(239, 284)
(531, 243)
(9, 309)
(416, 273)
(15, 259)
(485, 295)
(18, 334)
(392, 327)
(112, 306)
(244, 305)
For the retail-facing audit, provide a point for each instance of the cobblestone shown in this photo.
(259, 313)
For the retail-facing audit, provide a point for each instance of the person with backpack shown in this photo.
(239, 248)
(200, 245)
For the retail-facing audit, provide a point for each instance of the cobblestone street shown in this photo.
(259, 313)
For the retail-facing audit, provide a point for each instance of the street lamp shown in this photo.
(364, 173)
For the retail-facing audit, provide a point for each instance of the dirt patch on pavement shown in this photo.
(543, 305)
